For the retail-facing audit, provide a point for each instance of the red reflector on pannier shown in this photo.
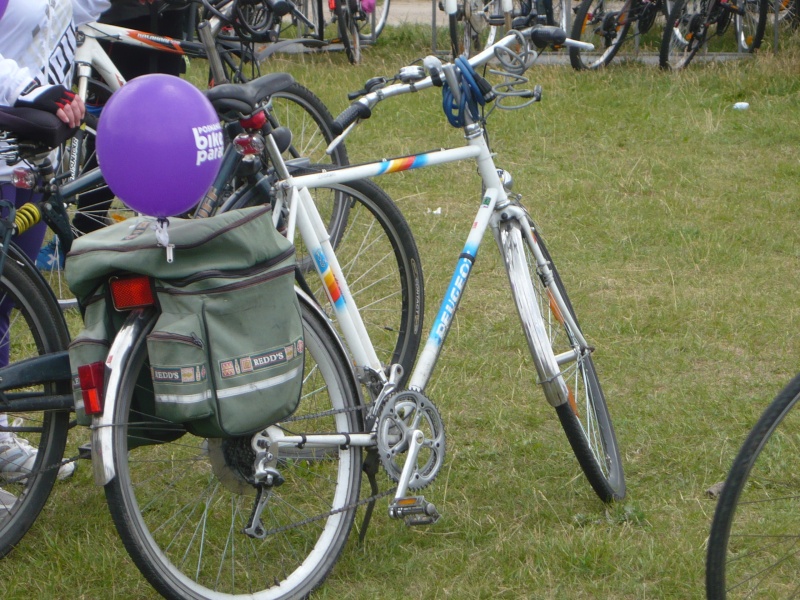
(92, 383)
(128, 293)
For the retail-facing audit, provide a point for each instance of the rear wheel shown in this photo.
(35, 327)
(469, 30)
(296, 108)
(372, 24)
(181, 507)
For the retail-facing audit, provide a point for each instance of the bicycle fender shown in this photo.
(133, 331)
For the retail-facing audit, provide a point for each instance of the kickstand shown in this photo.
(370, 467)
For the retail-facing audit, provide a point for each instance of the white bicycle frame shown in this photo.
(293, 192)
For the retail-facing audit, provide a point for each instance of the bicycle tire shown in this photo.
(320, 491)
(684, 33)
(469, 31)
(573, 389)
(36, 327)
(374, 22)
(749, 28)
(752, 548)
(348, 30)
(381, 264)
(600, 27)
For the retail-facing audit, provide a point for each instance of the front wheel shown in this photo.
(752, 549)
(181, 507)
(564, 365)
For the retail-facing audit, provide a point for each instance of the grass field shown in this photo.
(673, 221)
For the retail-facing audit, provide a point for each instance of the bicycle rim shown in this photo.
(684, 34)
(750, 26)
(753, 546)
(567, 374)
(181, 507)
(470, 30)
(310, 122)
(348, 32)
(602, 27)
(35, 328)
(372, 24)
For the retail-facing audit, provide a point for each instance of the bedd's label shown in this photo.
(209, 142)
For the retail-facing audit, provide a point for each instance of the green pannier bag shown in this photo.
(226, 353)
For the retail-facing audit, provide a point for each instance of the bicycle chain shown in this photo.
(333, 512)
(307, 521)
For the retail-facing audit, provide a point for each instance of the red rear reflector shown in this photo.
(92, 381)
(132, 292)
(23, 178)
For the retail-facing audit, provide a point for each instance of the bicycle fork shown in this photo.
(513, 232)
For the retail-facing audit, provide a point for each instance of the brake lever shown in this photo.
(375, 83)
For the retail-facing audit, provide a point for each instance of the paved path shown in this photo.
(412, 11)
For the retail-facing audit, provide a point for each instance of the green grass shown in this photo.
(672, 219)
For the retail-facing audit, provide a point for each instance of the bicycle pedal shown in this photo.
(415, 510)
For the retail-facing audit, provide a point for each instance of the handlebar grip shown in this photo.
(349, 115)
(546, 35)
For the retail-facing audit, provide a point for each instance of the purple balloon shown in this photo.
(3, 6)
(159, 144)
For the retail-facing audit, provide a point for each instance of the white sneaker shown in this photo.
(17, 458)
(7, 500)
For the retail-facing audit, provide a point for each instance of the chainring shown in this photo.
(401, 414)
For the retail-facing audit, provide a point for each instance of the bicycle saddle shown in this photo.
(236, 99)
(35, 127)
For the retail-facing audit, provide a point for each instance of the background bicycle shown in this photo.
(394, 318)
(477, 24)
(307, 25)
(607, 25)
(695, 26)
